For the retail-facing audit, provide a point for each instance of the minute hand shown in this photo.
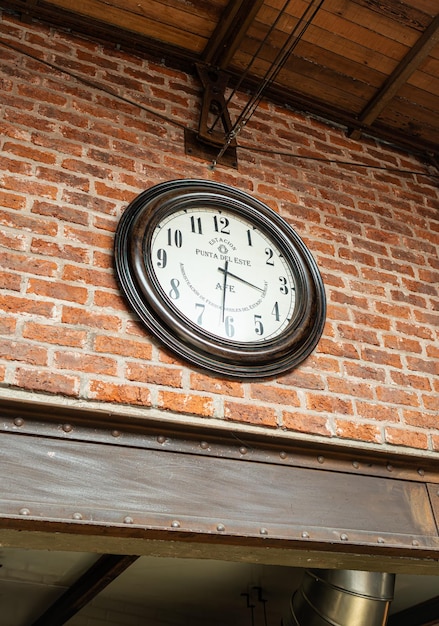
(242, 280)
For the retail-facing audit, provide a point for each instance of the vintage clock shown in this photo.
(220, 278)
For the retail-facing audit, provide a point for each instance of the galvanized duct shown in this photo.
(342, 598)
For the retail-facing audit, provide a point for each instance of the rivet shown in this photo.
(415, 542)
(380, 540)
(389, 467)
(24, 512)
(128, 520)
(344, 537)
(18, 421)
(161, 439)
(77, 516)
(115, 433)
(263, 531)
(220, 528)
(421, 472)
(283, 455)
(243, 450)
(321, 459)
(305, 535)
(204, 445)
(356, 464)
(175, 524)
(67, 428)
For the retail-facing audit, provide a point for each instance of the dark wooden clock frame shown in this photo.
(134, 270)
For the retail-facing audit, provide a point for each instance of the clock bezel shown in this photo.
(138, 282)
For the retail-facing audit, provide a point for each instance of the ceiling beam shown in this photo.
(400, 75)
(423, 614)
(106, 569)
(230, 31)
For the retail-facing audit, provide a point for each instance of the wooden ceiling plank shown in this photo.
(231, 29)
(400, 75)
(167, 33)
(106, 569)
(423, 614)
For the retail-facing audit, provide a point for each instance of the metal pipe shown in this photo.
(342, 598)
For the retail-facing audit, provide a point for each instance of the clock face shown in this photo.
(223, 273)
(220, 278)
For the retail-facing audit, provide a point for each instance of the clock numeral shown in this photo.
(175, 238)
(196, 225)
(174, 293)
(201, 308)
(162, 258)
(284, 286)
(259, 327)
(269, 252)
(230, 329)
(275, 311)
(249, 237)
(221, 225)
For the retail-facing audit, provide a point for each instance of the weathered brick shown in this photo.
(306, 423)
(186, 403)
(47, 381)
(119, 393)
(250, 414)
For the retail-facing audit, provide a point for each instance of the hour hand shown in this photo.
(242, 280)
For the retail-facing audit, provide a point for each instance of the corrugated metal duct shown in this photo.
(342, 598)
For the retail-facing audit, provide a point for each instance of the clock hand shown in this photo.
(226, 273)
(242, 280)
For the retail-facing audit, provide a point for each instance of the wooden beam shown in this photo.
(423, 614)
(400, 75)
(230, 31)
(106, 569)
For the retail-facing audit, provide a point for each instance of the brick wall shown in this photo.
(73, 155)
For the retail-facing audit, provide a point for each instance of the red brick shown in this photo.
(24, 223)
(154, 374)
(186, 403)
(250, 414)
(97, 278)
(80, 362)
(421, 419)
(359, 432)
(381, 357)
(20, 351)
(202, 382)
(123, 347)
(12, 200)
(54, 334)
(15, 304)
(47, 381)
(392, 395)
(329, 404)
(306, 423)
(274, 394)
(376, 411)
(83, 317)
(407, 438)
(120, 394)
(57, 290)
(67, 214)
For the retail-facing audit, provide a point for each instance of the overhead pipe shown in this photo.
(342, 598)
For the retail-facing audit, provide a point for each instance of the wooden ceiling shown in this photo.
(370, 65)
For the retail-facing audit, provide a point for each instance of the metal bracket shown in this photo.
(215, 123)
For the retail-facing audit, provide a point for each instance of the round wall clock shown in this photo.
(220, 278)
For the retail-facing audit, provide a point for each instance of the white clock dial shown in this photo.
(223, 273)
